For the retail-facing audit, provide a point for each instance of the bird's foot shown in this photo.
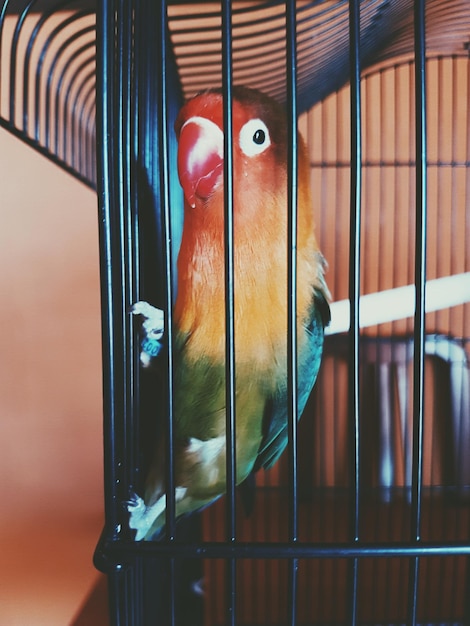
(142, 516)
(153, 327)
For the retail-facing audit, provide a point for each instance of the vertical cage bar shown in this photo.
(125, 165)
(292, 198)
(104, 121)
(355, 242)
(134, 148)
(291, 251)
(163, 150)
(420, 262)
(354, 281)
(165, 211)
(109, 266)
(229, 262)
(420, 286)
(230, 374)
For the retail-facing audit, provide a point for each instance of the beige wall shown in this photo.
(50, 389)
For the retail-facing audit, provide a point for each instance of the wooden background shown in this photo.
(387, 261)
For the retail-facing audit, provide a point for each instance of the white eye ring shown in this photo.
(254, 137)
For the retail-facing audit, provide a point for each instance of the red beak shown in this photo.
(200, 158)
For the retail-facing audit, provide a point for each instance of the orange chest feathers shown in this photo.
(260, 294)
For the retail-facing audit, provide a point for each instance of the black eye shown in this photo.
(254, 137)
(259, 137)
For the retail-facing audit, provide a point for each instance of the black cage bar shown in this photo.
(386, 563)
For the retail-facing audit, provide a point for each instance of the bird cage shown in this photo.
(365, 519)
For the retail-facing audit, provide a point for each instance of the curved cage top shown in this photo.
(48, 59)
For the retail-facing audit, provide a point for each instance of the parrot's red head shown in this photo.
(259, 146)
(260, 206)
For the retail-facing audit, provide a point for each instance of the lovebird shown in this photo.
(260, 223)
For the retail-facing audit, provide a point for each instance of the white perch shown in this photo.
(399, 303)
